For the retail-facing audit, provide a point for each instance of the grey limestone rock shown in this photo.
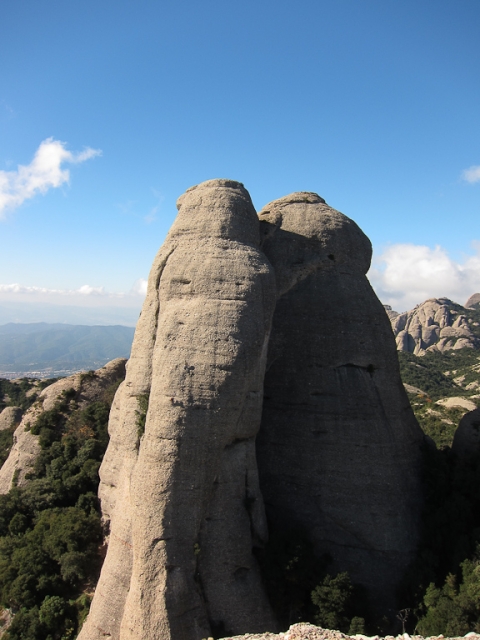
(339, 448)
(183, 497)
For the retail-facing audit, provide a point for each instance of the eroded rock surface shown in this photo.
(435, 325)
(183, 497)
(338, 450)
(473, 302)
(9, 417)
(87, 387)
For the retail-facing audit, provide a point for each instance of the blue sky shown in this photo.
(375, 105)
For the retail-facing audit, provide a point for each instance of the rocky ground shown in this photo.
(304, 631)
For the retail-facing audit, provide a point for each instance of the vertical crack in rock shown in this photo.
(339, 448)
(180, 557)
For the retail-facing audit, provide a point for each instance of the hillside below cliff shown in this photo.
(438, 346)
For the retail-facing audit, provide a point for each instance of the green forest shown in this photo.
(50, 529)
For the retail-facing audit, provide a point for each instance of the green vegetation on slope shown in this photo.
(50, 533)
(442, 588)
(448, 551)
(21, 393)
(300, 588)
(441, 375)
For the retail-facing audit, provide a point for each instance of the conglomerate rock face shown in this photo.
(339, 447)
(183, 497)
(434, 325)
(338, 450)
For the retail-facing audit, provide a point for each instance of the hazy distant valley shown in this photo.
(43, 350)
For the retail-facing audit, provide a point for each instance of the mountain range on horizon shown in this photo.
(44, 350)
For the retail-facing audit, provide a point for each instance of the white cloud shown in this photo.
(406, 274)
(472, 174)
(43, 173)
(140, 287)
(84, 295)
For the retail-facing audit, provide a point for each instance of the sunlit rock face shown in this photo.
(339, 448)
(437, 324)
(183, 498)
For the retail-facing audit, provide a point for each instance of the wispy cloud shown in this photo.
(86, 294)
(472, 174)
(46, 171)
(130, 208)
(406, 274)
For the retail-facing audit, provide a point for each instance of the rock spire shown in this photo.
(338, 448)
(183, 497)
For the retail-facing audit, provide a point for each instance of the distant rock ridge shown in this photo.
(245, 316)
(438, 324)
(473, 302)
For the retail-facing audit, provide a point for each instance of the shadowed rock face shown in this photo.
(338, 449)
(466, 441)
(183, 497)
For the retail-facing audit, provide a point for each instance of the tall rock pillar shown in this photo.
(180, 478)
(339, 447)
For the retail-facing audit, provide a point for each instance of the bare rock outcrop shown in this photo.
(88, 387)
(473, 302)
(435, 325)
(466, 441)
(183, 497)
(9, 417)
(339, 447)
(305, 631)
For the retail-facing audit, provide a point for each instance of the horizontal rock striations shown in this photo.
(339, 448)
